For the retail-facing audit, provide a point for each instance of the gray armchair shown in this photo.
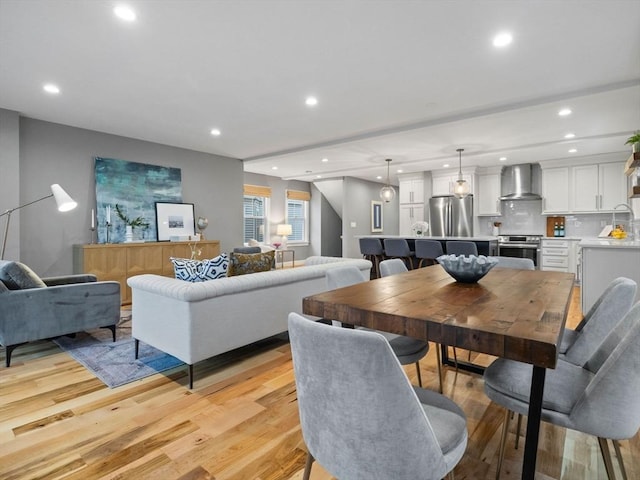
(33, 309)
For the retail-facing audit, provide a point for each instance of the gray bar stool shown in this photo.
(399, 248)
(458, 247)
(371, 249)
(428, 250)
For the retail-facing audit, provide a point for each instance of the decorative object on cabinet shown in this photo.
(387, 193)
(461, 188)
(120, 261)
(376, 216)
(420, 229)
(202, 223)
(496, 228)
(63, 200)
(131, 223)
(134, 187)
(634, 141)
(555, 226)
(174, 220)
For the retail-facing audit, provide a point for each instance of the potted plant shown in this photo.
(634, 141)
(131, 223)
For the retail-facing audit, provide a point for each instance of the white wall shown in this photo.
(53, 153)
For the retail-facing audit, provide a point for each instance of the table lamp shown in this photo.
(63, 200)
(284, 230)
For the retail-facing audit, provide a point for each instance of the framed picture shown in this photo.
(174, 219)
(376, 216)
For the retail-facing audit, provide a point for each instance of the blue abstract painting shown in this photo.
(134, 187)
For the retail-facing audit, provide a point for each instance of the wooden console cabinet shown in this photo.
(119, 261)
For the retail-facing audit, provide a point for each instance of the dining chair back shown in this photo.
(516, 263)
(428, 250)
(399, 248)
(599, 398)
(458, 247)
(372, 250)
(392, 266)
(360, 416)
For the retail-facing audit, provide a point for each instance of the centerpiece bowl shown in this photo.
(467, 268)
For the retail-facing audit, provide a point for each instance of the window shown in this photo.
(298, 216)
(256, 213)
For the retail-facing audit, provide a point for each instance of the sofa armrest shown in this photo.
(69, 279)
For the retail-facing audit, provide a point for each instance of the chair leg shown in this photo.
(503, 442)
(439, 360)
(606, 456)
(519, 424)
(455, 358)
(307, 467)
(616, 447)
(136, 348)
(419, 374)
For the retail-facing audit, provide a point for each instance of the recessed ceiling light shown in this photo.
(325, 160)
(502, 39)
(573, 150)
(318, 176)
(446, 165)
(399, 171)
(125, 13)
(502, 159)
(379, 177)
(51, 88)
(564, 112)
(570, 135)
(215, 132)
(274, 168)
(311, 101)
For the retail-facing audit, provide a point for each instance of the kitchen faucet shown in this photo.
(631, 220)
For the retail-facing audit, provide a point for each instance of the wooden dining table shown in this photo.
(513, 314)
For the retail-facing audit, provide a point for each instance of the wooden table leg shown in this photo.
(533, 423)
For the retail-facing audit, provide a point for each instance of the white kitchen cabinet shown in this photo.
(555, 190)
(411, 189)
(410, 214)
(559, 255)
(598, 188)
(488, 195)
(443, 184)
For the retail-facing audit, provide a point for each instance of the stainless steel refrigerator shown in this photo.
(450, 216)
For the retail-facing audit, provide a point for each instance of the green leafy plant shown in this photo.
(132, 222)
(635, 138)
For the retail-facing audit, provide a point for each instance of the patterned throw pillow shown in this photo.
(200, 270)
(243, 263)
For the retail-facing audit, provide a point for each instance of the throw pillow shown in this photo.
(200, 270)
(243, 263)
(17, 276)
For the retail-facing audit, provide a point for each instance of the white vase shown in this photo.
(128, 236)
(496, 231)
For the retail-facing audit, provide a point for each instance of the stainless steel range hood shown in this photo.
(520, 182)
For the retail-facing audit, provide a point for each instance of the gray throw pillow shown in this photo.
(17, 276)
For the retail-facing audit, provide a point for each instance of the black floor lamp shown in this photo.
(64, 201)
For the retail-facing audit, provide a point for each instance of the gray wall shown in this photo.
(9, 176)
(331, 229)
(356, 208)
(53, 153)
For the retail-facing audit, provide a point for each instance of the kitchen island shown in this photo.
(487, 245)
(602, 261)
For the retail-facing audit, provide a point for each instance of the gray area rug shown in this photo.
(114, 362)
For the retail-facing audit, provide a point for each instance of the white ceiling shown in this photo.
(407, 80)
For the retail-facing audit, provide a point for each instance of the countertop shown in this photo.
(609, 243)
(470, 239)
(573, 239)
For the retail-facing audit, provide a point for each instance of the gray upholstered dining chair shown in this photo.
(399, 248)
(372, 250)
(428, 250)
(515, 263)
(609, 309)
(599, 398)
(459, 247)
(408, 350)
(360, 416)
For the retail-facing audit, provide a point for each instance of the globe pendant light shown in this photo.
(461, 189)
(387, 193)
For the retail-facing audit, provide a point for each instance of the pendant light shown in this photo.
(387, 193)
(461, 189)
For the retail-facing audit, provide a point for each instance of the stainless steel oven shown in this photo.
(520, 246)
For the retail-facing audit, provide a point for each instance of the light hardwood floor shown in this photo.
(239, 422)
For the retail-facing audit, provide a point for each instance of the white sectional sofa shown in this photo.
(196, 321)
